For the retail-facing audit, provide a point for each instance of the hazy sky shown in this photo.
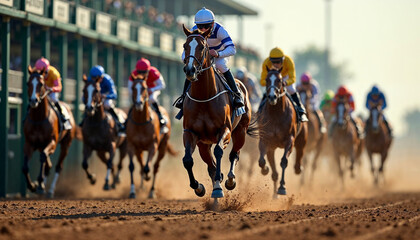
(378, 39)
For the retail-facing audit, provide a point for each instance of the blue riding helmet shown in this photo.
(375, 90)
(97, 71)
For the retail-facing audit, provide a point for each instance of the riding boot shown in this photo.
(321, 123)
(162, 121)
(301, 108)
(237, 99)
(63, 119)
(388, 128)
(180, 101)
(121, 127)
(358, 128)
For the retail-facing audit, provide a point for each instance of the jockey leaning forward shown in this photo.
(377, 98)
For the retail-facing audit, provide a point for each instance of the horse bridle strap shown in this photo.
(207, 100)
(200, 69)
(278, 90)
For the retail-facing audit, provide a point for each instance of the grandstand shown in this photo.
(76, 35)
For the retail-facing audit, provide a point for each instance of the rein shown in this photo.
(207, 100)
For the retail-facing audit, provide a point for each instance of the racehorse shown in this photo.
(100, 133)
(344, 139)
(43, 132)
(209, 117)
(316, 138)
(378, 140)
(143, 134)
(279, 128)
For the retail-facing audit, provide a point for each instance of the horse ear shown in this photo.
(84, 78)
(186, 31)
(42, 71)
(133, 77)
(267, 68)
(30, 70)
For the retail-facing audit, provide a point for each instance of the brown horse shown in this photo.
(100, 132)
(279, 128)
(143, 134)
(377, 140)
(42, 132)
(316, 138)
(344, 139)
(209, 117)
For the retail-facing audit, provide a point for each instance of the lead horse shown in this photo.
(378, 140)
(143, 134)
(100, 133)
(209, 116)
(279, 128)
(42, 132)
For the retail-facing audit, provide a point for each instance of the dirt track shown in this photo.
(389, 216)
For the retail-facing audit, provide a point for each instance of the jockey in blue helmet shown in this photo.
(377, 98)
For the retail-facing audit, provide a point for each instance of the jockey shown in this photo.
(221, 47)
(108, 92)
(279, 60)
(344, 94)
(155, 83)
(53, 85)
(326, 102)
(308, 83)
(374, 98)
(248, 79)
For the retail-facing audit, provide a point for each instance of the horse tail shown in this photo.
(253, 128)
(171, 150)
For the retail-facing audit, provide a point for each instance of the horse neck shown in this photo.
(143, 115)
(41, 112)
(205, 87)
(99, 114)
(280, 107)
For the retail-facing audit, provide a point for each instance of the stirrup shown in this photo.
(179, 102)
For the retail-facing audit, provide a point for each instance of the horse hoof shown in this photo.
(113, 185)
(117, 180)
(265, 170)
(92, 179)
(50, 195)
(281, 191)
(32, 187)
(106, 187)
(230, 184)
(200, 191)
(40, 191)
(298, 169)
(152, 195)
(217, 193)
(147, 178)
(132, 195)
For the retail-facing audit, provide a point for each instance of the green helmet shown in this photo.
(329, 95)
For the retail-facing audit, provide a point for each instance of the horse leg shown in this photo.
(131, 168)
(161, 154)
(274, 173)
(218, 154)
(151, 153)
(123, 153)
(44, 159)
(205, 153)
(65, 145)
(384, 156)
(318, 151)
(28, 151)
(238, 140)
(372, 168)
(190, 142)
(352, 161)
(340, 169)
(87, 151)
(139, 155)
(109, 167)
(283, 165)
(261, 161)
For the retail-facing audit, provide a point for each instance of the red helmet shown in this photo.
(342, 91)
(42, 63)
(305, 78)
(143, 65)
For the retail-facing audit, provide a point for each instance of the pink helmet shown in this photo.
(306, 77)
(143, 65)
(42, 63)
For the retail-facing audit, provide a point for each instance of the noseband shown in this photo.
(200, 64)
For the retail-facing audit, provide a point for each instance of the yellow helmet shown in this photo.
(276, 53)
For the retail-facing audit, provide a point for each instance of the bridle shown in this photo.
(200, 63)
(277, 90)
(46, 91)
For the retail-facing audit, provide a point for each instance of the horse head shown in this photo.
(342, 111)
(36, 87)
(274, 85)
(139, 92)
(196, 50)
(92, 97)
(305, 96)
(375, 117)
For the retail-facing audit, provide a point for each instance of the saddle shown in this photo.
(61, 125)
